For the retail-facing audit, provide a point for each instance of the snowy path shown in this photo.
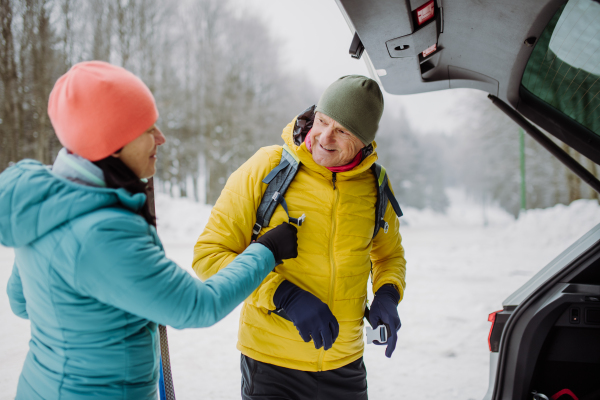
(456, 276)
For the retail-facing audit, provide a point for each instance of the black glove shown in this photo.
(282, 241)
(384, 311)
(310, 315)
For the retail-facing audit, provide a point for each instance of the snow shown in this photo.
(460, 267)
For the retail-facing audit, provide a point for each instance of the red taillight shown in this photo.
(492, 319)
(424, 13)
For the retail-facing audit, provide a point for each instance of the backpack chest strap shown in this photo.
(278, 180)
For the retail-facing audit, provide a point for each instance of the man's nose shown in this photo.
(159, 137)
(326, 136)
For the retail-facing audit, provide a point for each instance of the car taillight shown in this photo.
(424, 13)
(498, 320)
(492, 319)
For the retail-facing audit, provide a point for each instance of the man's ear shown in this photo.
(117, 154)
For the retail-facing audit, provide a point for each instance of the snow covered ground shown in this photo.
(458, 272)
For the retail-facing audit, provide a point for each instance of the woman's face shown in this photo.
(140, 154)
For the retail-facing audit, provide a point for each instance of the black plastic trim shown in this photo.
(497, 330)
(356, 47)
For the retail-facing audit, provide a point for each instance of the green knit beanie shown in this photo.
(355, 102)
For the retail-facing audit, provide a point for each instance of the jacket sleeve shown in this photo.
(229, 228)
(16, 298)
(121, 264)
(387, 255)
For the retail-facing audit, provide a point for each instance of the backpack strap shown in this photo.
(384, 194)
(278, 180)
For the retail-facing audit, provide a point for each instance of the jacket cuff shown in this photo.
(379, 285)
(282, 292)
(389, 290)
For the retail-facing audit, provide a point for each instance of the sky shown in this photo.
(315, 41)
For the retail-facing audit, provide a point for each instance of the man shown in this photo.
(323, 292)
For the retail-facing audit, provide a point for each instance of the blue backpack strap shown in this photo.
(284, 163)
(278, 180)
(392, 199)
(384, 194)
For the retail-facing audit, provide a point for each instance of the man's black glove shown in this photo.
(310, 315)
(282, 241)
(384, 311)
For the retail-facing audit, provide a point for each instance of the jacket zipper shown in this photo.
(332, 261)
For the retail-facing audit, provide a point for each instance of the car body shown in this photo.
(542, 58)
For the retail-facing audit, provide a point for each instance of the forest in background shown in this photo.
(219, 89)
(223, 92)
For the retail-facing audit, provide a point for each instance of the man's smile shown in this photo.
(324, 148)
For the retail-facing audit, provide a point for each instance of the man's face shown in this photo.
(332, 145)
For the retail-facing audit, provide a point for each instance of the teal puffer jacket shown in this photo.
(92, 277)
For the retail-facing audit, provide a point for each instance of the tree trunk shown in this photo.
(195, 188)
(42, 60)
(9, 112)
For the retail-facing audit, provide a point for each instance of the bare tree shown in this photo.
(10, 112)
(103, 12)
(42, 80)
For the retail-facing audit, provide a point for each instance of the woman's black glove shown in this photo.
(282, 241)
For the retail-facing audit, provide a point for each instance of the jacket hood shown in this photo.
(34, 201)
(294, 134)
(77, 169)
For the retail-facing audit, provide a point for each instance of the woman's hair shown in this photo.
(118, 175)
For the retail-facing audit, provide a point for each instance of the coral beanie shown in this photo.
(97, 108)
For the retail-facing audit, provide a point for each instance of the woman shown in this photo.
(90, 272)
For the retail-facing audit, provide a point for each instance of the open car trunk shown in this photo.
(551, 342)
(541, 58)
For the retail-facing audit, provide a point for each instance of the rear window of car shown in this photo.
(564, 68)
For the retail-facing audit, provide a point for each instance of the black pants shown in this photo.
(261, 381)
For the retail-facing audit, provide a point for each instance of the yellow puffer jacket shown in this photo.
(335, 246)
